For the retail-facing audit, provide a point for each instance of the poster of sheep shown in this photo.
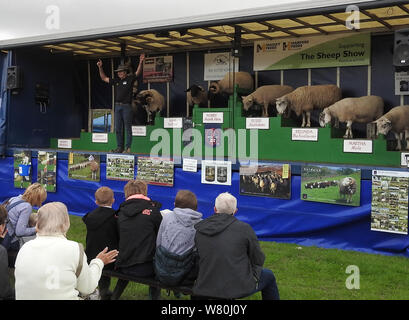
(84, 166)
(120, 167)
(47, 170)
(266, 180)
(22, 169)
(156, 171)
(389, 207)
(336, 185)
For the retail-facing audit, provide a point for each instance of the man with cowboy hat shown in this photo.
(123, 98)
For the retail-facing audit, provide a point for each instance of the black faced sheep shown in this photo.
(152, 100)
(350, 110)
(396, 121)
(347, 188)
(265, 95)
(196, 95)
(243, 79)
(307, 98)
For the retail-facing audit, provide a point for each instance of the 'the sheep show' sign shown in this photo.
(312, 52)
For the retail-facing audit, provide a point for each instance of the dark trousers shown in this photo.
(123, 118)
(267, 285)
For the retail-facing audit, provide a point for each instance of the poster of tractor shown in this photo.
(47, 170)
(84, 166)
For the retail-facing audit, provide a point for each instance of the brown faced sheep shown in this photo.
(265, 95)
(396, 121)
(347, 188)
(243, 79)
(350, 110)
(152, 100)
(196, 95)
(304, 99)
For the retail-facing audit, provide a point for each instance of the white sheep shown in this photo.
(265, 95)
(350, 110)
(243, 79)
(196, 95)
(307, 98)
(347, 188)
(396, 121)
(152, 100)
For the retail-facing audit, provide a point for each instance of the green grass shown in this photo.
(309, 273)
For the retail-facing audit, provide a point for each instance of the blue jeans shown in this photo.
(267, 285)
(123, 117)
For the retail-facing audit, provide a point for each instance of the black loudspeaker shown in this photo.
(14, 78)
(401, 48)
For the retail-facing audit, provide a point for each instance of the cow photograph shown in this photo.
(336, 185)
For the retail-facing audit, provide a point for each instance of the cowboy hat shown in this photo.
(122, 67)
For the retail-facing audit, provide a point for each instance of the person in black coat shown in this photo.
(230, 257)
(139, 219)
(6, 291)
(102, 231)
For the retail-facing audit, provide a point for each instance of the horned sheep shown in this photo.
(265, 95)
(195, 94)
(243, 79)
(305, 99)
(353, 110)
(396, 121)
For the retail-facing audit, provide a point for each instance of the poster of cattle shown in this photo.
(22, 169)
(389, 207)
(84, 166)
(120, 167)
(156, 171)
(266, 180)
(336, 185)
(47, 170)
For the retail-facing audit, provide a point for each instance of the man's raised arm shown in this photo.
(101, 72)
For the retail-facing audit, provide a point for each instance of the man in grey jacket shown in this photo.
(6, 292)
(230, 257)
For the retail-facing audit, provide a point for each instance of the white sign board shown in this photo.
(139, 131)
(212, 117)
(257, 123)
(65, 143)
(100, 137)
(189, 165)
(358, 146)
(304, 134)
(401, 83)
(173, 123)
(216, 65)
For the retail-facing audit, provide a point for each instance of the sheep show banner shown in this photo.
(47, 170)
(84, 166)
(389, 207)
(336, 185)
(312, 52)
(216, 65)
(158, 69)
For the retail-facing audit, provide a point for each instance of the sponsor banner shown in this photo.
(216, 65)
(313, 52)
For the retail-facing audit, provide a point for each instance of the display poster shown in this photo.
(338, 50)
(158, 69)
(120, 167)
(84, 166)
(402, 83)
(336, 185)
(216, 65)
(389, 207)
(156, 171)
(47, 170)
(189, 165)
(266, 180)
(216, 172)
(22, 169)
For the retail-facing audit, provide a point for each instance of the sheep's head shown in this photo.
(281, 104)
(144, 97)
(214, 87)
(247, 102)
(324, 118)
(383, 126)
(195, 90)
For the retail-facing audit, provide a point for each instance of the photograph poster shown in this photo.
(22, 169)
(389, 207)
(266, 180)
(84, 166)
(336, 185)
(158, 69)
(47, 170)
(120, 167)
(216, 172)
(156, 171)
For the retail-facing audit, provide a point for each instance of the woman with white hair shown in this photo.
(51, 267)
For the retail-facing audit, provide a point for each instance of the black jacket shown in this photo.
(102, 231)
(230, 258)
(139, 222)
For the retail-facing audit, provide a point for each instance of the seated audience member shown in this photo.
(102, 231)
(50, 267)
(6, 291)
(175, 257)
(19, 210)
(231, 260)
(139, 219)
